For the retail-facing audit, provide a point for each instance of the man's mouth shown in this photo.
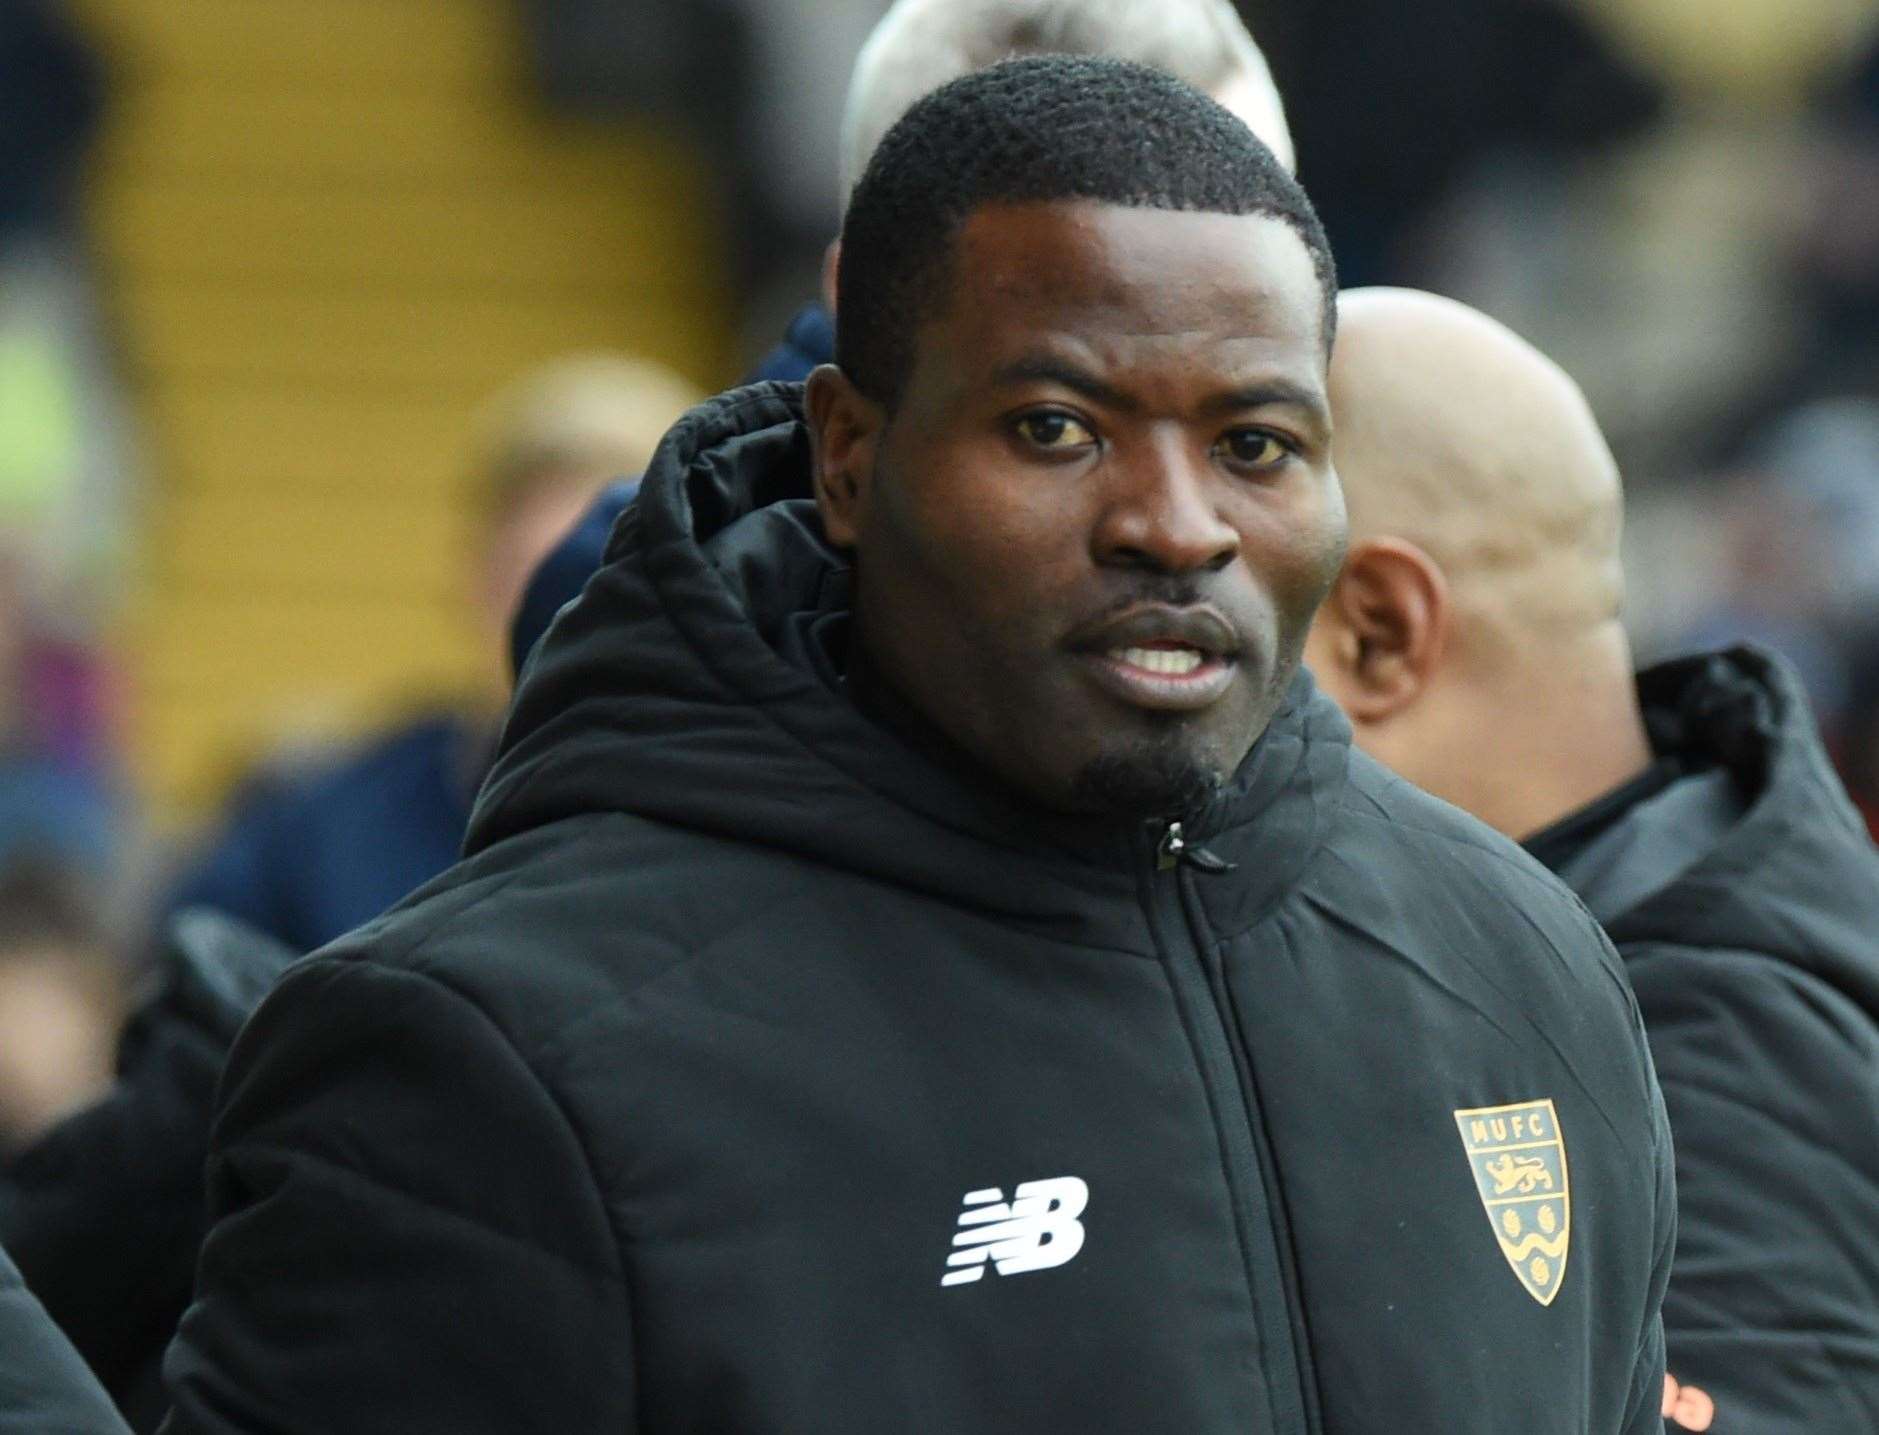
(1167, 676)
(1175, 661)
(1162, 657)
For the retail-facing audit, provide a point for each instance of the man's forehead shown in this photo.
(1112, 286)
(1077, 264)
(1082, 247)
(1204, 368)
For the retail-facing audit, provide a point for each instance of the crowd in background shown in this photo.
(1683, 209)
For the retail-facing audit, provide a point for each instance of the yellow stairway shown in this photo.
(327, 231)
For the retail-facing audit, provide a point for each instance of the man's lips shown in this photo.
(1162, 658)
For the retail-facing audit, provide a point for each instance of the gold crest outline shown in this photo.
(1559, 1246)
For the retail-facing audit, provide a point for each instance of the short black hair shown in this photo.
(1037, 130)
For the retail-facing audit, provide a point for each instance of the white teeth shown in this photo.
(1173, 662)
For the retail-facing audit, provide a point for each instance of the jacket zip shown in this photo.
(1200, 992)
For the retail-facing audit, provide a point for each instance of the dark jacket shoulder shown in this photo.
(1743, 895)
(1448, 851)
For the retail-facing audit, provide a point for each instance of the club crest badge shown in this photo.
(1518, 1156)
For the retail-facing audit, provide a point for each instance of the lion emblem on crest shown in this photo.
(1524, 1174)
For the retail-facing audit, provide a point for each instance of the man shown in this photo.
(1474, 639)
(925, 958)
(918, 46)
(61, 998)
(313, 851)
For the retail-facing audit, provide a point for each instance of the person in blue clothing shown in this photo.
(310, 851)
(918, 46)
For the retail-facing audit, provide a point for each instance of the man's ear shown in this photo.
(831, 272)
(1382, 631)
(844, 433)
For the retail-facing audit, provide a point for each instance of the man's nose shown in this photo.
(1162, 512)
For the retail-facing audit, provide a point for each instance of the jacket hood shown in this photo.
(1795, 876)
(684, 686)
(809, 341)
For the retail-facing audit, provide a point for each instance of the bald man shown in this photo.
(1473, 637)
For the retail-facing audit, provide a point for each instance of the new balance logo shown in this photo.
(1036, 1230)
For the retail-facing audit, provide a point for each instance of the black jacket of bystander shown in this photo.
(104, 1213)
(1743, 893)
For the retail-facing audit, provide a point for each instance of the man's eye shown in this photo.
(1255, 448)
(1055, 431)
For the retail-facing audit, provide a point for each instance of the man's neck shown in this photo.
(882, 702)
(1570, 731)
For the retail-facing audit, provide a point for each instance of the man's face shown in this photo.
(1090, 538)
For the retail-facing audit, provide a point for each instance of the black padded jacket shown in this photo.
(1743, 892)
(755, 1072)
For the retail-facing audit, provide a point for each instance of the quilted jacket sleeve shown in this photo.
(1645, 1416)
(1772, 1080)
(405, 1232)
(45, 1388)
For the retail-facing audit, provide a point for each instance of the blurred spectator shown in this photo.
(51, 91)
(308, 854)
(1800, 514)
(61, 469)
(1837, 249)
(56, 792)
(61, 462)
(104, 1214)
(60, 998)
(1823, 459)
(551, 442)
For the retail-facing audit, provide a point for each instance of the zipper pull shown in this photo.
(1173, 850)
(1168, 854)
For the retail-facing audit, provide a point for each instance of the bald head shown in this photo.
(1472, 634)
(1457, 435)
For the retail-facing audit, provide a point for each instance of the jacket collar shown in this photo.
(1789, 871)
